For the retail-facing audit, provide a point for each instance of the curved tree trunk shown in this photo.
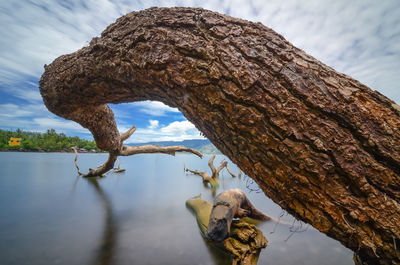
(319, 143)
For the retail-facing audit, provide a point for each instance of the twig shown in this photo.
(119, 169)
(75, 161)
(240, 173)
(128, 133)
(101, 170)
(213, 179)
(206, 178)
(230, 172)
(250, 182)
(296, 229)
(279, 220)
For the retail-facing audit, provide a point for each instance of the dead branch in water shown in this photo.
(119, 169)
(230, 172)
(213, 179)
(76, 160)
(131, 150)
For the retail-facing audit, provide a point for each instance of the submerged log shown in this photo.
(245, 240)
(320, 144)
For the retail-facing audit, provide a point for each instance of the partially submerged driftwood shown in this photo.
(119, 169)
(228, 205)
(245, 241)
(213, 179)
(320, 144)
(131, 150)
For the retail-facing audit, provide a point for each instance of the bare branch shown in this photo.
(230, 172)
(149, 149)
(108, 165)
(76, 160)
(202, 174)
(133, 150)
(119, 169)
(213, 179)
(221, 166)
(206, 178)
(128, 133)
(211, 165)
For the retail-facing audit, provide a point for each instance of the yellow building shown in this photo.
(14, 141)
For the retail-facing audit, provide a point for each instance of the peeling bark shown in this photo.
(320, 144)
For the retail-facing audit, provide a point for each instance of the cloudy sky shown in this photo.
(359, 38)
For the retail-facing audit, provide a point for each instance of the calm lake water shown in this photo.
(49, 215)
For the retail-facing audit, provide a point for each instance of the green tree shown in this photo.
(50, 140)
(29, 145)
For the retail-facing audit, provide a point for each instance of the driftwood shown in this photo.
(231, 173)
(76, 160)
(228, 205)
(320, 144)
(245, 240)
(119, 169)
(213, 179)
(131, 150)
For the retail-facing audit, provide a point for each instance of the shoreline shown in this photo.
(45, 151)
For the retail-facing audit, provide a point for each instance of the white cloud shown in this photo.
(39, 31)
(154, 108)
(153, 124)
(12, 111)
(31, 95)
(175, 131)
(179, 127)
(59, 124)
(359, 38)
(35, 117)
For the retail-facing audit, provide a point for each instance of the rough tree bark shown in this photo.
(319, 143)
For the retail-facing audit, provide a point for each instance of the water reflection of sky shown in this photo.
(49, 216)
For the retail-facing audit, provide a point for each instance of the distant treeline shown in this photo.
(51, 141)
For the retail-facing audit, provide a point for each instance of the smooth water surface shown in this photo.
(49, 215)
